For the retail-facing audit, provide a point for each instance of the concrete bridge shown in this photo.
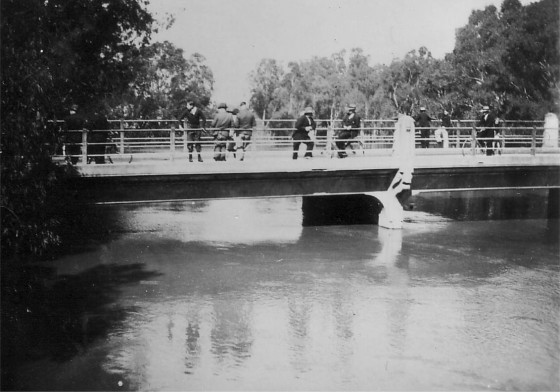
(151, 165)
(376, 175)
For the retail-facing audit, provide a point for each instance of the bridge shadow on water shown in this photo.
(53, 317)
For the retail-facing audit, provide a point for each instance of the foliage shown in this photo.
(266, 80)
(164, 81)
(54, 52)
(507, 58)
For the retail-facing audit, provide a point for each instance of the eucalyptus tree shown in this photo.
(164, 80)
(362, 80)
(265, 82)
(510, 59)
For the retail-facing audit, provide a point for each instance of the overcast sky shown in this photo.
(234, 35)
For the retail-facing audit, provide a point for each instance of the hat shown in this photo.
(422, 109)
(485, 109)
(222, 106)
(352, 106)
(308, 109)
(234, 111)
(74, 107)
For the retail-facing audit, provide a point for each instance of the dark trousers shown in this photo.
(193, 136)
(487, 136)
(425, 135)
(220, 148)
(343, 140)
(300, 138)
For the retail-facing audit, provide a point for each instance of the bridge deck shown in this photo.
(320, 162)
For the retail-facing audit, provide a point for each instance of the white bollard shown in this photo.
(550, 134)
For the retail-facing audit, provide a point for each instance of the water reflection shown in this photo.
(240, 296)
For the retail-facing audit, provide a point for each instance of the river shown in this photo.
(239, 295)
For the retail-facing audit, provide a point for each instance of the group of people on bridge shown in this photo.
(232, 130)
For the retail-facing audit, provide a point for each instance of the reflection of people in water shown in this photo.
(231, 333)
(192, 346)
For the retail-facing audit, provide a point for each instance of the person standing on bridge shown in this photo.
(304, 125)
(195, 125)
(98, 136)
(487, 123)
(221, 125)
(73, 123)
(351, 124)
(423, 122)
(233, 132)
(247, 124)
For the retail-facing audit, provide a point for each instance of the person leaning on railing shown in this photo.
(304, 125)
(194, 127)
(247, 124)
(423, 121)
(222, 124)
(350, 130)
(487, 122)
(75, 121)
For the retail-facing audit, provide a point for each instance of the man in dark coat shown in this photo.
(486, 124)
(350, 130)
(423, 122)
(74, 124)
(98, 135)
(195, 124)
(304, 125)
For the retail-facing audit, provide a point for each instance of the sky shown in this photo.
(235, 35)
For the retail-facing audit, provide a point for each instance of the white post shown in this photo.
(550, 134)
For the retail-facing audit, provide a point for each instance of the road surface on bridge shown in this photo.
(321, 162)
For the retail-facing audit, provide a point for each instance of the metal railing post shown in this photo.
(172, 143)
(534, 140)
(121, 138)
(473, 141)
(84, 145)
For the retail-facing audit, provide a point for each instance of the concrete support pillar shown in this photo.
(392, 214)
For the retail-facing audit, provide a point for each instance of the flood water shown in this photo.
(238, 295)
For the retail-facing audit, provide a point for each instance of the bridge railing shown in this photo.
(162, 139)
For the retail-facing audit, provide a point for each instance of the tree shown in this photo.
(265, 81)
(164, 80)
(54, 53)
(509, 59)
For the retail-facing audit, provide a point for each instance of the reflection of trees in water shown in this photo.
(192, 346)
(231, 333)
(59, 317)
(343, 312)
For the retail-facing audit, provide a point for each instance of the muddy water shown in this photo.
(237, 295)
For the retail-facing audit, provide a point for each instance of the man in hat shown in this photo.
(487, 124)
(423, 122)
(196, 121)
(350, 130)
(222, 124)
(304, 125)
